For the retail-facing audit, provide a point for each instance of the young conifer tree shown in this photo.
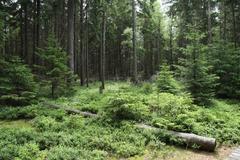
(196, 71)
(55, 70)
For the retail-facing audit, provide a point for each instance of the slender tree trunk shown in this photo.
(234, 24)
(171, 43)
(103, 50)
(86, 46)
(70, 48)
(38, 23)
(21, 33)
(159, 57)
(26, 33)
(34, 32)
(209, 23)
(134, 55)
(224, 21)
(82, 74)
(76, 55)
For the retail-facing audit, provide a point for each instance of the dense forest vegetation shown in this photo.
(78, 77)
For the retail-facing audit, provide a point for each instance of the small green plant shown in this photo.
(166, 82)
(147, 88)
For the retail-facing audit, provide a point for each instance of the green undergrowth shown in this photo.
(39, 132)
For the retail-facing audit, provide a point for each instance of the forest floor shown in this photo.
(55, 134)
(168, 153)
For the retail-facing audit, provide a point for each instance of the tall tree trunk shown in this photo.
(209, 23)
(234, 23)
(171, 43)
(38, 23)
(26, 33)
(70, 47)
(34, 32)
(224, 21)
(103, 50)
(21, 33)
(76, 55)
(86, 46)
(82, 74)
(134, 55)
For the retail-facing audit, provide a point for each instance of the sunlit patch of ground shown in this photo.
(172, 153)
(15, 124)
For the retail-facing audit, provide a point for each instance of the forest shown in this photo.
(119, 79)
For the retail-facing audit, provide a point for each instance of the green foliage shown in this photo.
(55, 71)
(30, 151)
(66, 153)
(166, 82)
(29, 112)
(166, 104)
(195, 70)
(45, 123)
(17, 82)
(54, 135)
(225, 58)
(126, 106)
(147, 88)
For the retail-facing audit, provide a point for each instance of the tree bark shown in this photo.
(70, 48)
(38, 23)
(103, 50)
(34, 31)
(26, 56)
(209, 23)
(234, 24)
(86, 45)
(82, 74)
(134, 55)
(190, 140)
(21, 33)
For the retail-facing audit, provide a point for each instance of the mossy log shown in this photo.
(191, 140)
(71, 111)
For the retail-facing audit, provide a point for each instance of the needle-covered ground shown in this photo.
(39, 132)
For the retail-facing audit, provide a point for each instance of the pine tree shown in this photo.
(166, 81)
(17, 85)
(195, 70)
(55, 70)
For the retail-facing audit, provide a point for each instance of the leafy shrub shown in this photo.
(8, 151)
(17, 82)
(30, 151)
(43, 123)
(126, 106)
(166, 104)
(124, 149)
(147, 88)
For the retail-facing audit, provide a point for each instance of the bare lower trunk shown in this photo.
(134, 55)
(70, 48)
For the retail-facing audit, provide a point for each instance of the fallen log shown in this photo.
(71, 111)
(191, 140)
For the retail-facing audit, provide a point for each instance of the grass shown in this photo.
(55, 135)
